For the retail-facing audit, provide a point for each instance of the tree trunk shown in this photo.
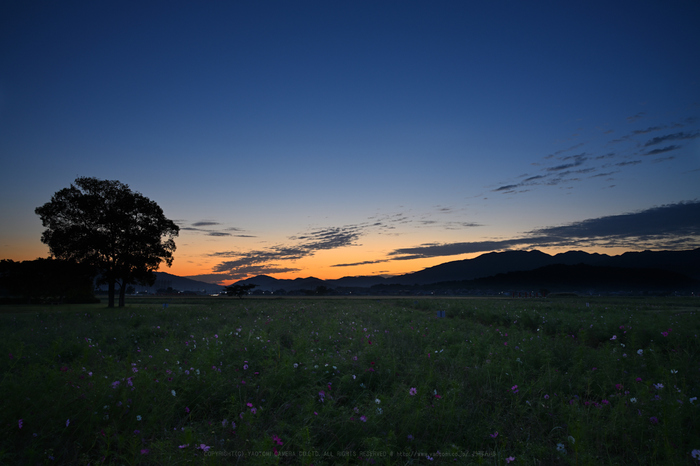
(122, 293)
(110, 293)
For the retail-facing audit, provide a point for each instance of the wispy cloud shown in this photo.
(558, 168)
(673, 226)
(199, 227)
(672, 137)
(353, 264)
(651, 129)
(205, 223)
(661, 151)
(269, 260)
(638, 116)
(266, 261)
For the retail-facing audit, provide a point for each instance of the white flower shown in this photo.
(693, 400)
(296, 365)
(571, 439)
(173, 392)
(696, 454)
(639, 352)
(673, 371)
(138, 418)
(633, 400)
(658, 386)
(377, 400)
(561, 447)
(379, 410)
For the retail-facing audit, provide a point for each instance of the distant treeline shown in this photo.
(46, 281)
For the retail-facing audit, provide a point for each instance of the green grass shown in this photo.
(328, 381)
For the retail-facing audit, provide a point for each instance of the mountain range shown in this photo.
(505, 269)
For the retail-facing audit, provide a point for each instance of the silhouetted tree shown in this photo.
(238, 290)
(121, 233)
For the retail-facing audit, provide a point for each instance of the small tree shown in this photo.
(103, 223)
(238, 290)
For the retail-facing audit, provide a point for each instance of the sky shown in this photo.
(346, 138)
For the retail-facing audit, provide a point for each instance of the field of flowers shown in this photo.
(352, 381)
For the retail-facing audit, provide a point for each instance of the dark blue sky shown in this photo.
(292, 138)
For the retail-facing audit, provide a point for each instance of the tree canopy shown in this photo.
(238, 290)
(121, 233)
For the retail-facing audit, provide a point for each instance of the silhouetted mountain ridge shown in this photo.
(684, 264)
(584, 277)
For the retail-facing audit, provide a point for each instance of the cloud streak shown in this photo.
(242, 264)
(672, 137)
(673, 226)
(557, 168)
(197, 227)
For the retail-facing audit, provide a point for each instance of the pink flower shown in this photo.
(514, 388)
(187, 410)
(203, 447)
(20, 423)
(510, 458)
(413, 391)
(144, 451)
(184, 446)
(363, 418)
(494, 435)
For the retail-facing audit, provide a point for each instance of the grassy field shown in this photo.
(352, 381)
